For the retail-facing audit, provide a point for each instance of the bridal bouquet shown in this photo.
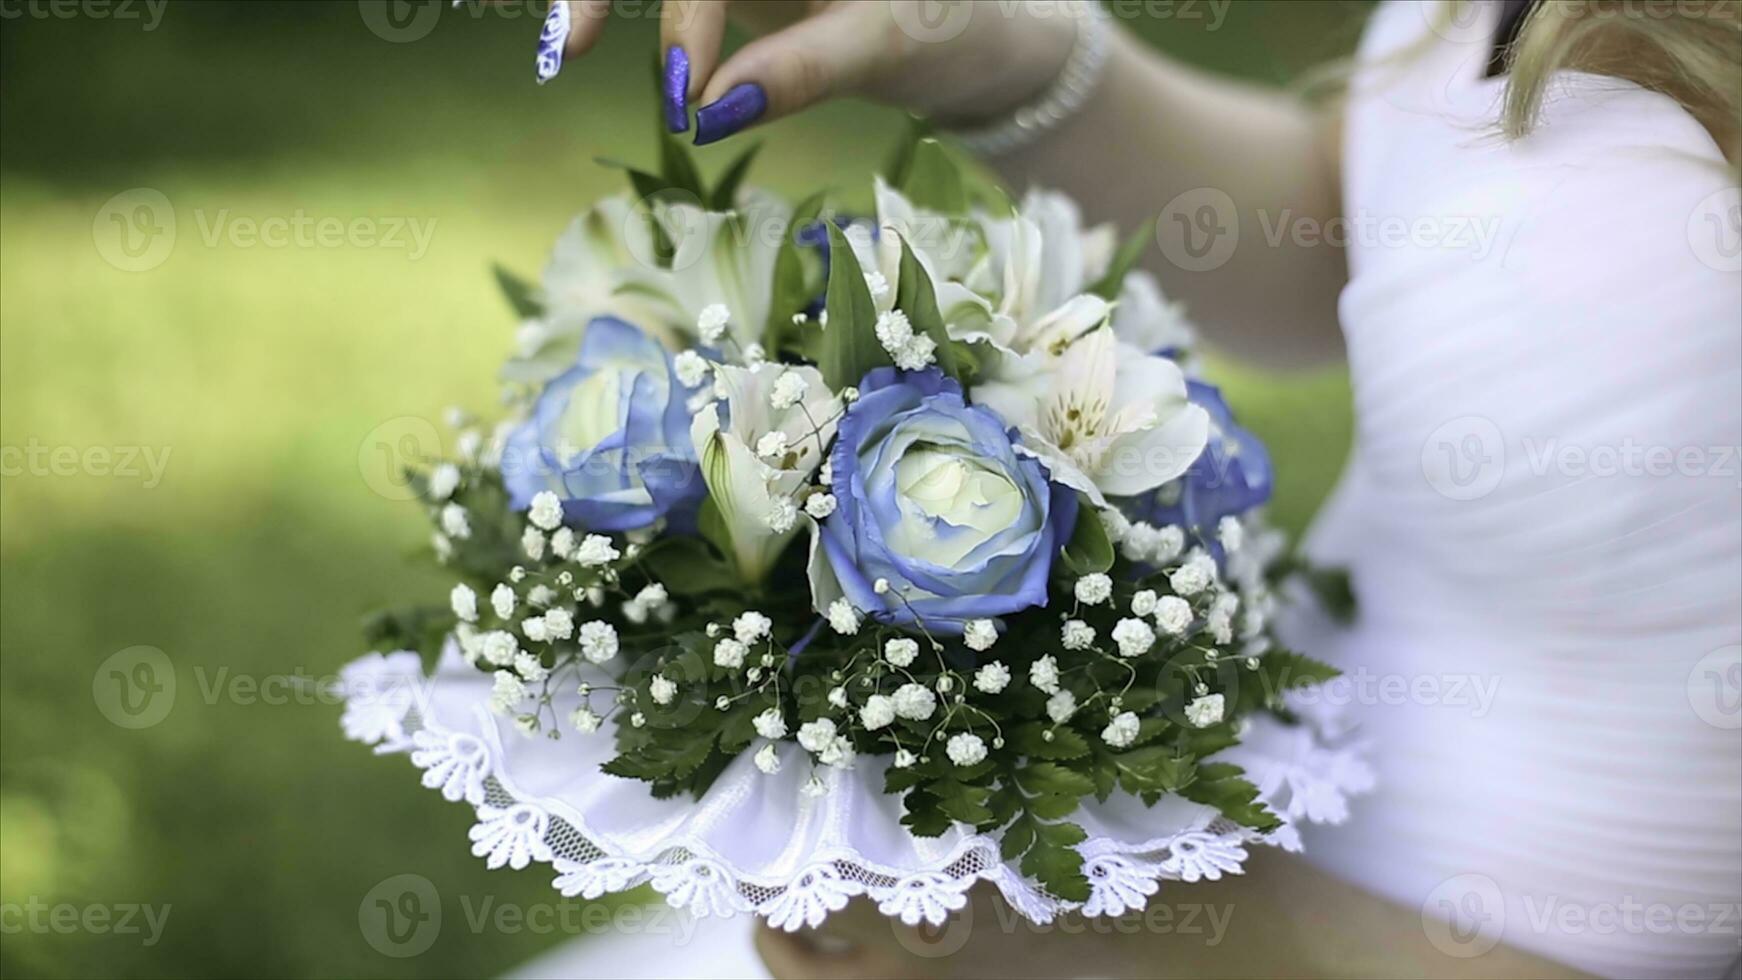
(823, 555)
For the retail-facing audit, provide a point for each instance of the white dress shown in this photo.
(1542, 515)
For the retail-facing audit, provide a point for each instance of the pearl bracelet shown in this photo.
(1076, 81)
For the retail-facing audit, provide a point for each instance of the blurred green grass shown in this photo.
(263, 373)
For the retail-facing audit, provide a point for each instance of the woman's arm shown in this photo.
(1154, 129)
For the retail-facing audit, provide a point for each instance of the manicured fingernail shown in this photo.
(551, 41)
(677, 89)
(738, 108)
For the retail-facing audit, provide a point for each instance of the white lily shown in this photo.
(1106, 418)
(749, 490)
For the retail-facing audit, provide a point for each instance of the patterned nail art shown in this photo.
(551, 41)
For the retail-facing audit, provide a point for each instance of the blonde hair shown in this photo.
(1689, 50)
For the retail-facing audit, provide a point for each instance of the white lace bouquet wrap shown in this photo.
(824, 556)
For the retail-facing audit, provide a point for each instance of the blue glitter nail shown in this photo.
(677, 89)
(551, 41)
(738, 108)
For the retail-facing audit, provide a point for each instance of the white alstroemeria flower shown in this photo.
(1106, 419)
(719, 258)
(1147, 320)
(748, 488)
(600, 252)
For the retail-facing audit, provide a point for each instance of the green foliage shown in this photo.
(916, 297)
(1089, 550)
(933, 179)
(1108, 286)
(797, 275)
(847, 347)
(522, 295)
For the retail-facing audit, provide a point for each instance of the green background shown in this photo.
(272, 377)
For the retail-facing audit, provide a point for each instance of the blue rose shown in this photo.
(934, 498)
(610, 437)
(1230, 477)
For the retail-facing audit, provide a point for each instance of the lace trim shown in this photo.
(514, 830)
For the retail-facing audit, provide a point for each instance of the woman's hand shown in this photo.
(952, 60)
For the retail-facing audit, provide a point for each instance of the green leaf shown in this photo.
(1050, 777)
(933, 180)
(1089, 550)
(1053, 860)
(1107, 287)
(1030, 740)
(1284, 670)
(901, 160)
(521, 294)
(686, 566)
(794, 279)
(849, 346)
(1018, 837)
(916, 297)
(713, 526)
(1156, 767)
(724, 196)
(1225, 787)
(924, 817)
(678, 168)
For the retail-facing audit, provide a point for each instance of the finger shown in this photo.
(586, 25)
(690, 33)
(815, 59)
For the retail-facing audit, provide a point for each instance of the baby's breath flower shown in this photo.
(782, 514)
(772, 445)
(535, 629)
(843, 618)
(464, 603)
(443, 548)
(562, 542)
(877, 712)
(1077, 635)
(541, 595)
(904, 758)
(751, 626)
(1205, 710)
(1094, 589)
(1044, 674)
(546, 511)
(820, 505)
(915, 702)
(768, 759)
(598, 641)
(789, 389)
(826, 473)
(1061, 706)
(992, 677)
(456, 523)
(532, 542)
(711, 324)
(901, 651)
(691, 368)
(499, 647)
(529, 667)
(1121, 731)
(1134, 637)
(595, 550)
(838, 697)
(1143, 603)
(502, 600)
(443, 481)
(1231, 533)
(729, 653)
(559, 623)
(662, 688)
(980, 634)
(877, 284)
(769, 724)
(637, 720)
(584, 720)
(965, 749)
(1173, 615)
(506, 691)
(1190, 579)
(816, 735)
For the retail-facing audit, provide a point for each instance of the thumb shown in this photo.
(829, 54)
